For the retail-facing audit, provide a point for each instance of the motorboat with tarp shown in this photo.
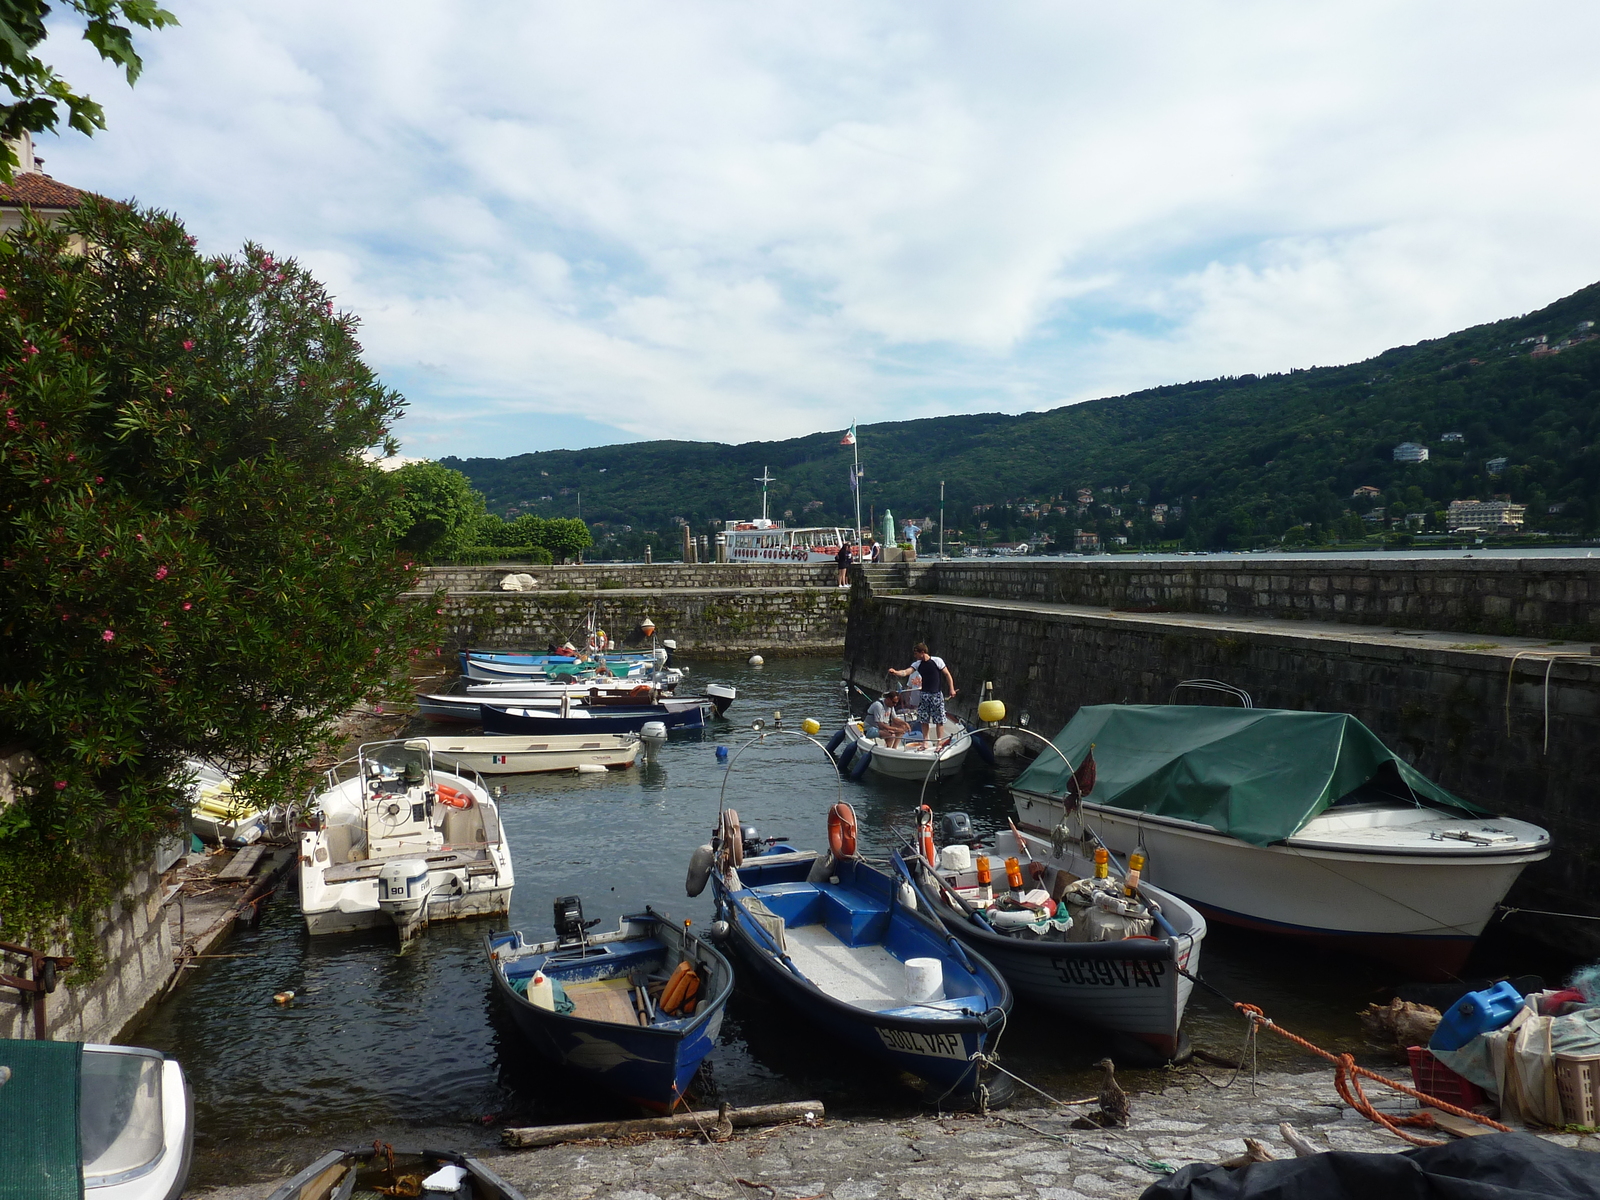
(636, 1010)
(395, 838)
(1300, 823)
(90, 1122)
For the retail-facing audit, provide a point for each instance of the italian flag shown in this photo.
(849, 438)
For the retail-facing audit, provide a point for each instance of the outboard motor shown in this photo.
(955, 828)
(751, 837)
(569, 922)
(403, 891)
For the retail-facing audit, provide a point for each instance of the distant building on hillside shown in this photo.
(1086, 540)
(1483, 516)
(1410, 452)
(1365, 492)
(1496, 466)
(1452, 437)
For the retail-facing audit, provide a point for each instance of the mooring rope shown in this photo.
(1346, 1080)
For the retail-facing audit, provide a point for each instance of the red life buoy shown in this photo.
(925, 832)
(454, 798)
(842, 830)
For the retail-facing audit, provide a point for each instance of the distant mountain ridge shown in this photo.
(1246, 459)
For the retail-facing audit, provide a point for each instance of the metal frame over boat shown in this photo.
(615, 1033)
(397, 840)
(1381, 861)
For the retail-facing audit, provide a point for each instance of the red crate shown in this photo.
(1430, 1075)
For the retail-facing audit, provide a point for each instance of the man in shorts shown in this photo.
(883, 720)
(936, 679)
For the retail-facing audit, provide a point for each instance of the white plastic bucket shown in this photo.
(924, 980)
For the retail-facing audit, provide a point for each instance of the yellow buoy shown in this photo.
(811, 726)
(992, 711)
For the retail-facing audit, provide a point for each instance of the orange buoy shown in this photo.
(842, 830)
(925, 834)
(453, 797)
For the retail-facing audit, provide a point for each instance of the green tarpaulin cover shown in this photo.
(1258, 774)
(39, 1152)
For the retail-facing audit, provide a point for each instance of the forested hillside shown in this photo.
(1245, 460)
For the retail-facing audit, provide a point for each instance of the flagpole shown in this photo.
(941, 518)
(855, 450)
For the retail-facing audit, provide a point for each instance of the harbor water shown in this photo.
(411, 1046)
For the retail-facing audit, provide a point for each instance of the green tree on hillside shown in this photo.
(437, 513)
(196, 562)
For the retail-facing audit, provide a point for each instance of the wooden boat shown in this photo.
(526, 756)
(541, 722)
(397, 840)
(1130, 985)
(1298, 823)
(836, 943)
(380, 1169)
(908, 760)
(119, 1118)
(618, 1030)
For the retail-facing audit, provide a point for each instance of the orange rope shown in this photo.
(1346, 1080)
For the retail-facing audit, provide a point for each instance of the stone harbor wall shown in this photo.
(1504, 724)
(137, 948)
(703, 621)
(1535, 597)
(633, 576)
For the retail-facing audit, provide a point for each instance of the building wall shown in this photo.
(1554, 598)
(1475, 721)
(632, 575)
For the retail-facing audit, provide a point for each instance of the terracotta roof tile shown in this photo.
(38, 191)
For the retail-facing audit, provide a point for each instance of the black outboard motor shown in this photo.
(955, 829)
(569, 922)
(751, 838)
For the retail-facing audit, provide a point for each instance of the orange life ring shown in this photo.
(453, 797)
(925, 831)
(842, 830)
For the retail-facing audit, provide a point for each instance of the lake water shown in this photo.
(411, 1047)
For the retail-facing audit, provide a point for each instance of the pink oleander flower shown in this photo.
(161, 572)
(188, 343)
(61, 785)
(108, 636)
(187, 606)
(29, 348)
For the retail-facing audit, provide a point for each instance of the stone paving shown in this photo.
(1025, 1153)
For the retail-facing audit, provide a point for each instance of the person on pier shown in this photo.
(842, 561)
(883, 720)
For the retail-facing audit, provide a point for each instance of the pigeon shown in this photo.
(722, 1128)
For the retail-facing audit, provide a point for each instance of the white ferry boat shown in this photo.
(763, 540)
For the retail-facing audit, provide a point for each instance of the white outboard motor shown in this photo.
(403, 893)
(654, 736)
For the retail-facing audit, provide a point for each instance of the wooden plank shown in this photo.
(603, 1000)
(243, 863)
(760, 1114)
(1459, 1126)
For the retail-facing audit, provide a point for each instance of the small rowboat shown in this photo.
(841, 948)
(381, 1169)
(538, 722)
(619, 1027)
(527, 756)
(909, 760)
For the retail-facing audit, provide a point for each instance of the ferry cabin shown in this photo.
(769, 541)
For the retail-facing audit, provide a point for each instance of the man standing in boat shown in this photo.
(933, 677)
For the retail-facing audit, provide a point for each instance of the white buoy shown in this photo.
(756, 660)
(590, 769)
(924, 980)
(955, 858)
(1007, 745)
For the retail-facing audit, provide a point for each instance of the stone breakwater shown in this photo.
(1534, 597)
(1020, 1154)
(710, 610)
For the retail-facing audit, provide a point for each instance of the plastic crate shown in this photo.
(1430, 1075)
(1578, 1081)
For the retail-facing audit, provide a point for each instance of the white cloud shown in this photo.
(718, 221)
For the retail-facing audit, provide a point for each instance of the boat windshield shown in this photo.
(119, 1114)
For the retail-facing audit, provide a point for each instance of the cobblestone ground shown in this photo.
(1029, 1154)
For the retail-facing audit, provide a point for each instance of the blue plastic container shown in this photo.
(1475, 1013)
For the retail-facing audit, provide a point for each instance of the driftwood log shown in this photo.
(760, 1114)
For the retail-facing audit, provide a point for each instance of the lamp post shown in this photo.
(941, 518)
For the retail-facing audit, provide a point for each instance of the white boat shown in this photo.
(125, 1124)
(533, 677)
(511, 755)
(217, 816)
(1288, 822)
(909, 760)
(765, 540)
(397, 840)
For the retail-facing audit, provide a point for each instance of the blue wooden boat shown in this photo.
(616, 1030)
(838, 944)
(537, 721)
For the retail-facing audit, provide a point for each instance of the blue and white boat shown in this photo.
(620, 1026)
(536, 721)
(843, 945)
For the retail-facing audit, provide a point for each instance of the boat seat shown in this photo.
(603, 1000)
(852, 917)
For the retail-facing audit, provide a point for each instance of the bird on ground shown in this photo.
(1113, 1100)
(722, 1128)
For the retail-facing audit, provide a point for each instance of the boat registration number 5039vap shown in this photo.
(1110, 972)
(933, 1045)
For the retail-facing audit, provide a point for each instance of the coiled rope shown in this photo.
(1347, 1081)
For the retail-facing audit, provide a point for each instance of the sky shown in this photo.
(567, 225)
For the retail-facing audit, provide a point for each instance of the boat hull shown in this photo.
(507, 719)
(357, 912)
(649, 1065)
(1135, 987)
(1419, 912)
(526, 756)
(943, 1050)
(917, 765)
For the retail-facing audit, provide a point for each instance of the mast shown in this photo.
(941, 518)
(763, 480)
